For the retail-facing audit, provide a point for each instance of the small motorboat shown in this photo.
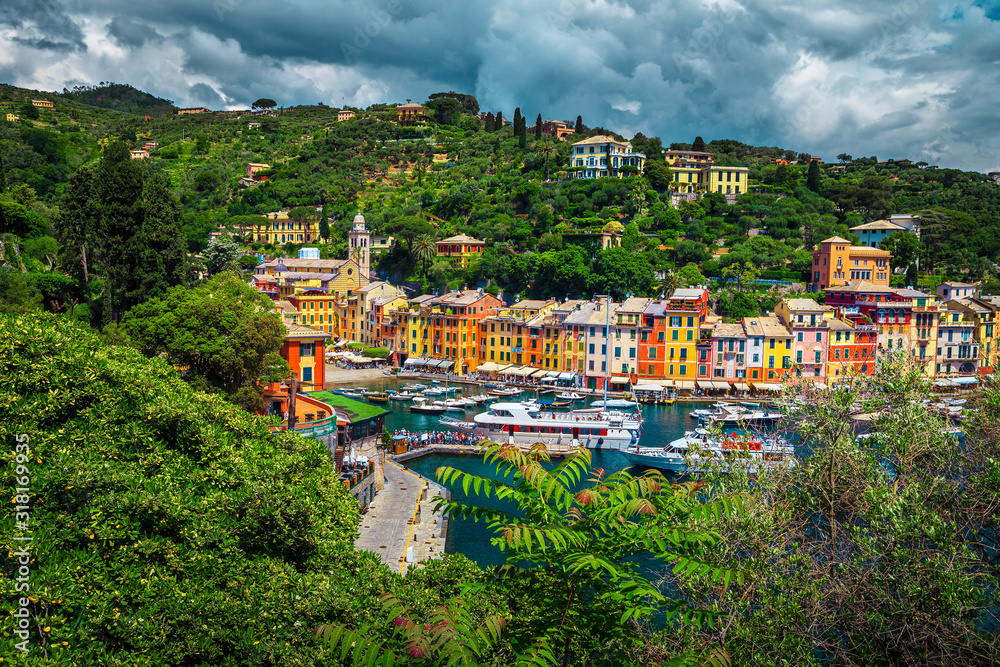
(377, 397)
(504, 391)
(402, 396)
(428, 409)
(569, 396)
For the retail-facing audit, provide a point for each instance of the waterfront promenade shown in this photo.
(401, 520)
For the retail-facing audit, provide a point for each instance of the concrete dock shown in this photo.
(401, 525)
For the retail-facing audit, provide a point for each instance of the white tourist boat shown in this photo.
(528, 423)
(698, 451)
(613, 403)
(739, 414)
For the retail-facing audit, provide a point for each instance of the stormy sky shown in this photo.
(914, 78)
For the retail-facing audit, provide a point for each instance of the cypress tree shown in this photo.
(489, 124)
(161, 260)
(498, 122)
(538, 128)
(118, 192)
(813, 176)
(698, 144)
(517, 119)
(579, 127)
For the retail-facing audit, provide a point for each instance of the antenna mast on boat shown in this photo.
(607, 343)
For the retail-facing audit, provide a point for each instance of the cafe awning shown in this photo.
(741, 386)
(567, 376)
(686, 385)
(965, 380)
(647, 387)
(415, 361)
(490, 367)
(767, 386)
(620, 379)
(539, 373)
(552, 374)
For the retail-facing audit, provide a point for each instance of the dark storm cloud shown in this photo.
(131, 33)
(914, 78)
(41, 24)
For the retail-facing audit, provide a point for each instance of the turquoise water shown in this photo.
(662, 423)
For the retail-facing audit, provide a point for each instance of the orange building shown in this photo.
(462, 250)
(441, 332)
(851, 350)
(304, 348)
(836, 261)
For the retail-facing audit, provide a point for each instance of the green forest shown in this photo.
(172, 527)
(490, 179)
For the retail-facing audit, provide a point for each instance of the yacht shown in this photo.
(723, 454)
(738, 414)
(613, 403)
(503, 391)
(529, 422)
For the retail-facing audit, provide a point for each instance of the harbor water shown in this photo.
(662, 423)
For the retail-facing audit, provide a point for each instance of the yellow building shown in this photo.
(280, 229)
(462, 250)
(410, 113)
(340, 277)
(922, 334)
(11, 118)
(984, 313)
(685, 310)
(725, 180)
(777, 359)
(361, 324)
(41, 104)
(441, 331)
(604, 157)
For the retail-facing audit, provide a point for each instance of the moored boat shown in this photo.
(698, 451)
(528, 423)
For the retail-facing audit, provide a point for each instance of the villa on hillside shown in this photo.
(460, 249)
(604, 157)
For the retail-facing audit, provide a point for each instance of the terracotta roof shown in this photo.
(728, 331)
(460, 238)
(806, 304)
(299, 331)
(860, 286)
(837, 324)
(774, 328)
(600, 139)
(634, 304)
(879, 224)
(287, 308)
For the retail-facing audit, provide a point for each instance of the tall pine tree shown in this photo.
(118, 194)
(538, 128)
(579, 128)
(489, 124)
(162, 260)
(75, 227)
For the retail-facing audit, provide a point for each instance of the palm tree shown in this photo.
(547, 149)
(669, 283)
(423, 250)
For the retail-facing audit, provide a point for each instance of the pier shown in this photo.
(400, 524)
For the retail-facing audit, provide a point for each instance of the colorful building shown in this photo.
(957, 347)
(873, 233)
(837, 262)
(984, 314)
(809, 324)
(605, 157)
(411, 113)
(444, 329)
(461, 250)
(923, 330)
(304, 348)
(279, 229)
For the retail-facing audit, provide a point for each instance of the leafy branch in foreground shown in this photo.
(450, 635)
(591, 543)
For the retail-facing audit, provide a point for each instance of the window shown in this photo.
(307, 374)
(684, 369)
(674, 335)
(800, 336)
(798, 357)
(703, 370)
(819, 336)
